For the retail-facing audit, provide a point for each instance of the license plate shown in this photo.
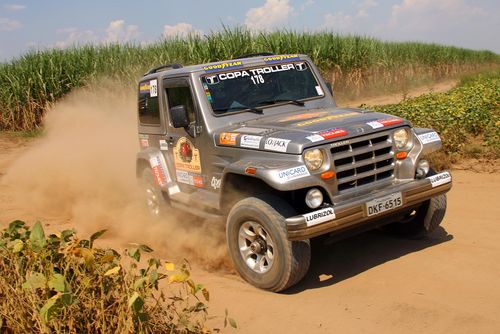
(383, 204)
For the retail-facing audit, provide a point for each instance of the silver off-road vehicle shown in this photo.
(259, 142)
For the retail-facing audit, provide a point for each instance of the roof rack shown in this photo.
(260, 54)
(163, 67)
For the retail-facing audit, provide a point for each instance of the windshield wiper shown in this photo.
(292, 101)
(242, 108)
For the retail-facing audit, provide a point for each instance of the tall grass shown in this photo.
(30, 83)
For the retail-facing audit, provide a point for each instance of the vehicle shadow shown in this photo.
(350, 257)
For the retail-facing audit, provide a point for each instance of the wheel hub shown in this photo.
(256, 246)
(259, 246)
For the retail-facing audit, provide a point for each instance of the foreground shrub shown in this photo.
(470, 110)
(63, 284)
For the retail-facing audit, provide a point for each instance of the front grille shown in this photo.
(363, 161)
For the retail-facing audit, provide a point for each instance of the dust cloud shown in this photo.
(82, 171)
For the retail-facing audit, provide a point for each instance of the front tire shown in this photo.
(258, 245)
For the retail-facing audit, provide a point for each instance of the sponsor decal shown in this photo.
(326, 118)
(341, 143)
(276, 144)
(163, 145)
(198, 181)
(292, 173)
(144, 87)
(153, 88)
(144, 143)
(186, 156)
(315, 138)
(223, 66)
(319, 90)
(375, 124)
(429, 137)
(158, 171)
(281, 58)
(250, 141)
(302, 116)
(333, 133)
(174, 190)
(215, 183)
(250, 73)
(320, 216)
(251, 130)
(390, 121)
(439, 179)
(183, 177)
(228, 138)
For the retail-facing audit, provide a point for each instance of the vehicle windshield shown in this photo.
(260, 87)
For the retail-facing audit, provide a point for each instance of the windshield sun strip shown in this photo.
(318, 82)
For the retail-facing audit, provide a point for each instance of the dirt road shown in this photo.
(374, 283)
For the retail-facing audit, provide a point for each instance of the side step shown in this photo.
(195, 211)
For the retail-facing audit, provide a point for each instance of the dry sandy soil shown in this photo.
(371, 283)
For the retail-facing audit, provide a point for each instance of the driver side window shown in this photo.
(180, 94)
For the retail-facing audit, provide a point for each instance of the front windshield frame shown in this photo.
(281, 103)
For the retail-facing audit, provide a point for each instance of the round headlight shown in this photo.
(314, 159)
(401, 138)
(314, 198)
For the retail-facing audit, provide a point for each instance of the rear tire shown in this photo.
(155, 201)
(259, 247)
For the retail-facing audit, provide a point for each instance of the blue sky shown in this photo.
(35, 24)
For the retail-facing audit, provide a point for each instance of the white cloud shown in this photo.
(272, 14)
(337, 22)
(74, 36)
(14, 7)
(365, 6)
(455, 22)
(306, 4)
(429, 15)
(180, 30)
(8, 24)
(118, 32)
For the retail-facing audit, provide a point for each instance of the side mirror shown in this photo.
(179, 116)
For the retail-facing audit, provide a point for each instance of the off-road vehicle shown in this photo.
(259, 142)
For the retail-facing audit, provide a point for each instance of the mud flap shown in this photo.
(162, 174)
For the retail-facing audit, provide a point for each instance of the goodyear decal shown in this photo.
(281, 58)
(144, 87)
(223, 66)
(326, 119)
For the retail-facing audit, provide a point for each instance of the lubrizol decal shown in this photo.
(439, 179)
(429, 137)
(320, 216)
(276, 144)
(292, 173)
(250, 141)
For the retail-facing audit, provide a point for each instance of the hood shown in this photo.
(293, 132)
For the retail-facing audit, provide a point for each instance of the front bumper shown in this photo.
(353, 214)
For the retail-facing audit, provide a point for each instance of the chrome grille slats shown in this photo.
(363, 160)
